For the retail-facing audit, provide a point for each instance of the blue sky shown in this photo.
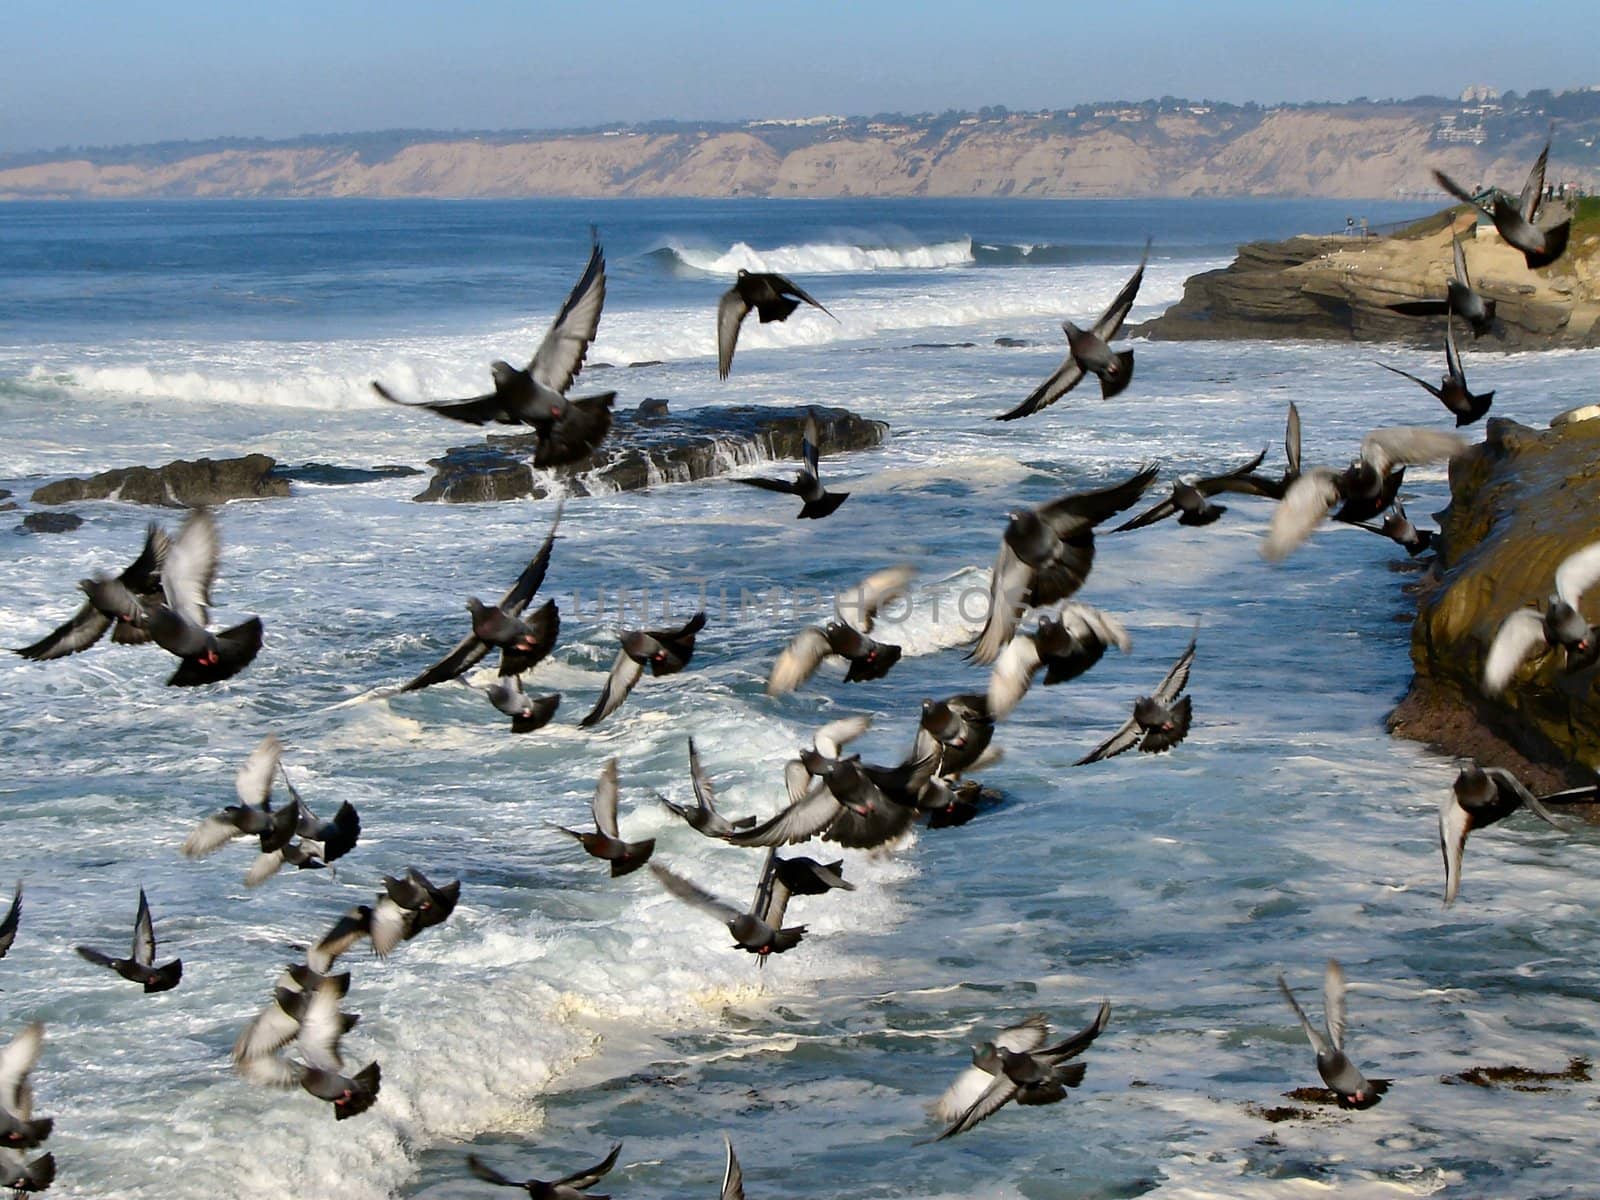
(94, 73)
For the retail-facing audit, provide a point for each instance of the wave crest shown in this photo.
(819, 258)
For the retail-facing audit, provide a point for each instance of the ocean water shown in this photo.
(558, 1011)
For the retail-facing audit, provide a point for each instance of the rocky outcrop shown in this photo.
(1519, 503)
(1341, 287)
(644, 451)
(181, 484)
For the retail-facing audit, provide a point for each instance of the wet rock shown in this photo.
(1520, 502)
(328, 475)
(1011, 342)
(181, 484)
(670, 448)
(650, 408)
(1340, 288)
(50, 522)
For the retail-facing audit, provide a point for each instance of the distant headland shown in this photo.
(1167, 147)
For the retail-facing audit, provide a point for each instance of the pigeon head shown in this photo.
(1149, 712)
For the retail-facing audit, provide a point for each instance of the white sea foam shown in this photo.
(825, 258)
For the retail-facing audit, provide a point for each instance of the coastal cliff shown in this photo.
(1520, 502)
(1153, 148)
(1341, 287)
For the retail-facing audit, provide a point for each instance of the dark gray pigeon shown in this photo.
(662, 651)
(523, 642)
(1350, 1087)
(1527, 631)
(1159, 721)
(139, 967)
(703, 816)
(536, 395)
(846, 636)
(254, 815)
(774, 297)
(1191, 497)
(759, 931)
(1089, 353)
(955, 732)
(1397, 527)
(818, 502)
(606, 841)
(1515, 218)
(177, 622)
(527, 713)
(19, 1128)
(1029, 1073)
(1065, 645)
(1046, 554)
(1460, 300)
(407, 905)
(568, 1187)
(26, 1176)
(1361, 491)
(311, 1019)
(1481, 796)
(118, 603)
(1452, 391)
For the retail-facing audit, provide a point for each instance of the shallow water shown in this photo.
(559, 1011)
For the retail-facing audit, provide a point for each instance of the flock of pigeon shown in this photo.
(1045, 556)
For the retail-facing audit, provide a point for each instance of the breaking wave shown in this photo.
(817, 258)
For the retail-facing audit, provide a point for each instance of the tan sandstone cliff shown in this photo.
(1354, 151)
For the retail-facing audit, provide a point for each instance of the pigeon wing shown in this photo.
(1078, 511)
(974, 1081)
(1316, 1039)
(590, 1176)
(80, 631)
(1309, 500)
(17, 1061)
(1456, 190)
(798, 661)
(731, 311)
(1061, 381)
(560, 355)
(527, 583)
(1455, 823)
(691, 893)
(8, 926)
(1291, 439)
(473, 410)
(1578, 573)
(1009, 584)
(1123, 739)
(801, 820)
(1013, 674)
(836, 735)
(789, 287)
(625, 673)
(144, 934)
(860, 605)
(191, 566)
(1421, 383)
(993, 1098)
(253, 783)
(1178, 677)
(1404, 445)
(1333, 988)
(604, 805)
(1533, 188)
(1110, 322)
(1520, 636)
(732, 1175)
